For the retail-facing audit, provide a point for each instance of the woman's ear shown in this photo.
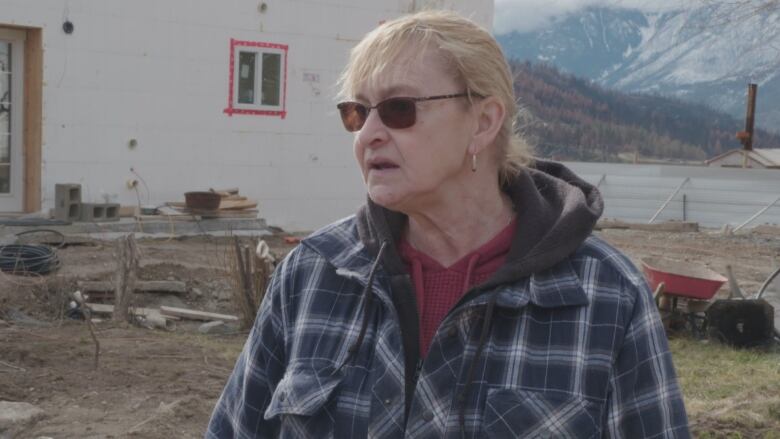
(490, 113)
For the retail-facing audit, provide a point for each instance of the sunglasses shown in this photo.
(396, 113)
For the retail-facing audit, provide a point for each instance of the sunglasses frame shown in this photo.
(343, 105)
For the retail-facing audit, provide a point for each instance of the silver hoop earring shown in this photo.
(473, 163)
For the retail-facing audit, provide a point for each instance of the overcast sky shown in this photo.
(525, 15)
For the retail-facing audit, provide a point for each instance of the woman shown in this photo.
(467, 297)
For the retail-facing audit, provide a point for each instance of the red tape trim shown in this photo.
(230, 110)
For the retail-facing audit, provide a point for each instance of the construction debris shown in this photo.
(15, 416)
(100, 308)
(231, 205)
(141, 286)
(127, 269)
(669, 226)
(192, 314)
(218, 327)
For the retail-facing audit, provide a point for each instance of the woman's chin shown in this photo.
(385, 198)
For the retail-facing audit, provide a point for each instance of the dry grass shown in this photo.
(729, 393)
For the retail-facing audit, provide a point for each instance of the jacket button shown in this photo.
(428, 416)
(388, 401)
(452, 332)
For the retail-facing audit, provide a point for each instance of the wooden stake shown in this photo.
(250, 274)
(734, 290)
(246, 302)
(90, 325)
(127, 267)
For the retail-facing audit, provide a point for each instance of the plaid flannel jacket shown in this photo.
(574, 351)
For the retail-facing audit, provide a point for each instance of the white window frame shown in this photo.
(258, 51)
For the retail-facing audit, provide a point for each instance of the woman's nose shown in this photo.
(374, 132)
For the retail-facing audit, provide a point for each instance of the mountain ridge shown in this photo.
(566, 117)
(699, 54)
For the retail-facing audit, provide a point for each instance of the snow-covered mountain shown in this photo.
(706, 54)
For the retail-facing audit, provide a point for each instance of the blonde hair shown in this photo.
(474, 54)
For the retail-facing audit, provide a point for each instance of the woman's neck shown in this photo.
(449, 230)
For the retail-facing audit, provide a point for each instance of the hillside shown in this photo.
(702, 52)
(571, 118)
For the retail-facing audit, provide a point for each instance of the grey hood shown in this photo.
(556, 212)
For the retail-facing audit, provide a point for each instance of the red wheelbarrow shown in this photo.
(682, 279)
(673, 280)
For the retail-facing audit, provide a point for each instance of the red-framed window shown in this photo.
(258, 79)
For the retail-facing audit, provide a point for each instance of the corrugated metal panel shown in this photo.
(772, 154)
(757, 158)
(712, 196)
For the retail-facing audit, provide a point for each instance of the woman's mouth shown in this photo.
(381, 165)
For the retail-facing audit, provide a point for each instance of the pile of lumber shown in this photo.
(167, 312)
(232, 205)
(104, 290)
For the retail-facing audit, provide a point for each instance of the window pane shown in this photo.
(272, 72)
(5, 179)
(5, 120)
(5, 56)
(5, 91)
(5, 148)
(246, 77)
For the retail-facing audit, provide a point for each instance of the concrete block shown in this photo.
(99, 212)
(15, 416)
(67, 202)
(218, 327)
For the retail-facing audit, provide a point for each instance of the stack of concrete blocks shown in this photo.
(99, 212)
(68, 206)
(67, 202)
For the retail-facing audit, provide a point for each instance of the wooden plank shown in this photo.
(244, 213)
(141, 286)
(195, 314)
(226, 192)
(100, 308)
(235, 198)
(237, 204)
(33, 119)
(168, 212)
(225, 204)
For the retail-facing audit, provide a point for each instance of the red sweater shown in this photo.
(439, 288)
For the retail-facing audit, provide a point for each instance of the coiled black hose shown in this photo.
(28, 259)
(53, 232)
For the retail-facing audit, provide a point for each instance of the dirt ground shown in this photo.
(163, 384)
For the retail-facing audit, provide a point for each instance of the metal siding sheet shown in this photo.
(713, 196)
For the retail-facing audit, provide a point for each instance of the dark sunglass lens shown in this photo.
(397, 112)
(353, 115)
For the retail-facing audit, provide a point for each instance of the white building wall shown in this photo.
(157, 72)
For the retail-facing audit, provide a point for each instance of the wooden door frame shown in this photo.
(33, 117)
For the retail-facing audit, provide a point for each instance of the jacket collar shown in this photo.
(558, 286)
(554, 287)
(341, 247)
